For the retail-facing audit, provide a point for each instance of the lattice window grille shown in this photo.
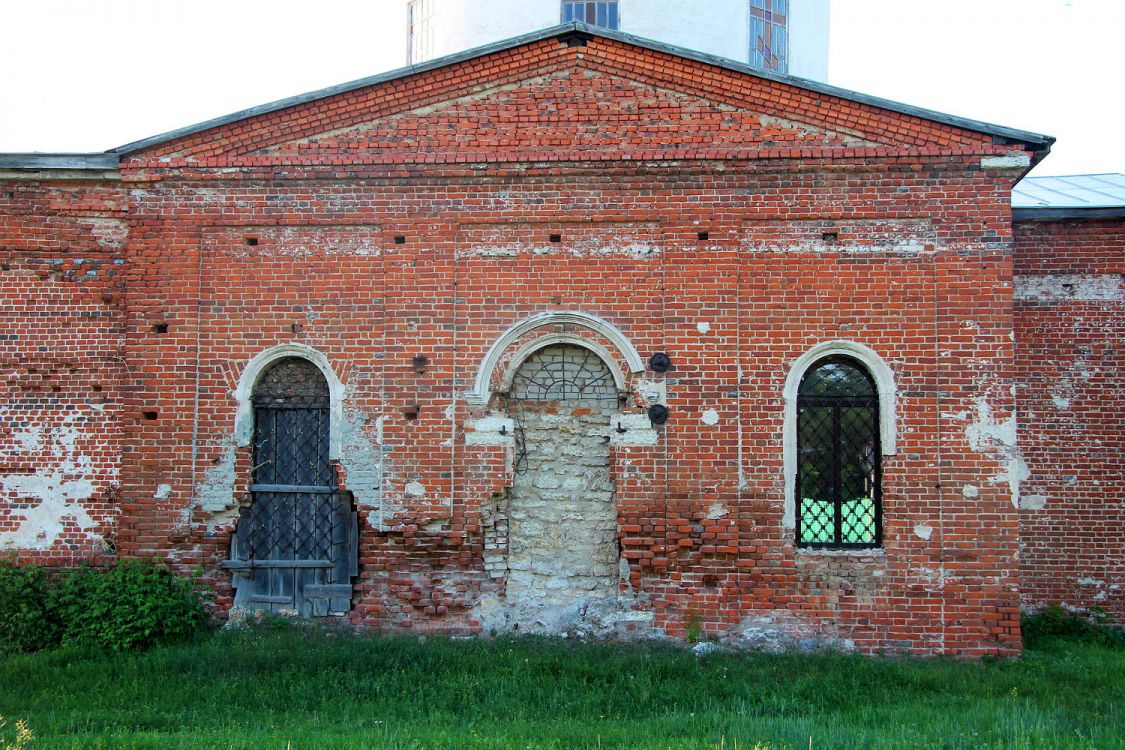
(563, 372)
(839, 495)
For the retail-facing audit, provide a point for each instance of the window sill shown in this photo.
(870, 553)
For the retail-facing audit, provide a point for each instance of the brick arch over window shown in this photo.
(887, 392)
(257, 367)
(626, 352)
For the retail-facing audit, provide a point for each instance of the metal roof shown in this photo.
(1085, 197)
(1040, 143)
(1071, 191)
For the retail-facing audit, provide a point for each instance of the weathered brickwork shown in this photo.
(62, 264)
(1070, 338)
(421, 238)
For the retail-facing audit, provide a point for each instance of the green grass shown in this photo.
(309, 689)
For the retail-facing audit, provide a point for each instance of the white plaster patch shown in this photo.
(1012, 161)
(703, 327)
(987, 434)
(490, 431)
(215, 494)
(162, 492)
(1070, 287)
(1016, 473)
(923, 530)
(903, 247)
(304, 242)
(59, 490)
(710, 417)
(581, 248)
(362, 460)
(415, 490)
(1090, 582)
(632, 429)
(1062, 402)
(28, 440)
(716, 511)
(1033, 502)
(653, 392)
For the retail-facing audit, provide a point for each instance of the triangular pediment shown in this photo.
(547, 98)
(577, 111)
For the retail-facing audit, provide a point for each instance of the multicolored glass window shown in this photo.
(839, 500)
(592, 12)
(769, 35)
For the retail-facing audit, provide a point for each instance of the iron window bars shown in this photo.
(839, 471)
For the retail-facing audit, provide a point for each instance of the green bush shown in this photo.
(1054, 622)
(134, 604)
(26, 622)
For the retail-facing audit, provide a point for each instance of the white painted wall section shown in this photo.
(809, 23)
(487, 22)
(717, 27)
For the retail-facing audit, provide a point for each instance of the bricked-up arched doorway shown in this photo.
(294, 549)
(563, 551)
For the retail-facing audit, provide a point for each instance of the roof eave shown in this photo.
(41, 161)
(1067, 214)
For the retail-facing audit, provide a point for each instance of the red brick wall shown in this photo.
(265, 233)
(701, 512)
(1070, 339)
(62, 250)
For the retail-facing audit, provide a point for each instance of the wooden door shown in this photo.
(295, 546)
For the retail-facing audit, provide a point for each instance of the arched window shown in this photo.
(291, 426)
(838, 456)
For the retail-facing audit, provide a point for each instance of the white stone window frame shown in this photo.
(243, 393)
(885, 386)
(482, 391)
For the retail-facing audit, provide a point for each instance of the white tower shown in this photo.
(786, 36)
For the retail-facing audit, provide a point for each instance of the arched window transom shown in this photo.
(839, 499)
(563, 372)
(292, 423)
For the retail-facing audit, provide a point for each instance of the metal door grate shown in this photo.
(296, 542)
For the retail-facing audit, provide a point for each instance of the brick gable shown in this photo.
(547, 101)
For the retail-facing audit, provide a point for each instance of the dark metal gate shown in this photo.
(295, 546)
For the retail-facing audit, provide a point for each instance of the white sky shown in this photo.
(88, 75)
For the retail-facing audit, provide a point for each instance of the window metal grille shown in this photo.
(593, 12)
(563, 373)
(839, 498)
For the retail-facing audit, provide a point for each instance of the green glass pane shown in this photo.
(816, 521)
(858, 521)
(836, 378)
